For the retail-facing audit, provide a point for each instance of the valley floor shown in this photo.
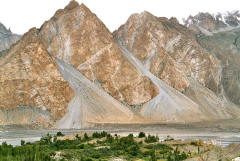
(221, 132)
(103, 146)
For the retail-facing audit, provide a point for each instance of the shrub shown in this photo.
(22, 142)
(96, 156)
(85, 136)
(151, 139)
(133, 149)
(46, 140)
(169, 138)
(194, 143)
(109, 139)
(141, 135)
(78, 137)
(60, 133)
(55, 139)
(81, 146)
(99, 135)
(153, 156)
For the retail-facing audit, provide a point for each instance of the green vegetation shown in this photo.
(141, 135)
(151, 139)
(169, 138)
(96, 147)
(60, 134)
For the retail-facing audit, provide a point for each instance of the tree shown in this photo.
(153, 155)
(55, 139)
(78, 137)
(60, 133)
(151, 139)
(85, 136)
(141, 135)
(22, 142)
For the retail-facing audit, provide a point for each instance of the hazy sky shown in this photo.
(21, 15)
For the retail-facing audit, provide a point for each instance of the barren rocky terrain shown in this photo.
(73, 73)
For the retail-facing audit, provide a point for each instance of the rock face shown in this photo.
(7, 38)
(91, 104)
(225, 46)
(210, 24)
(30, 82)
(223, 42)
(74, 73)
(77, 36)
(169, 105)
(169, 50)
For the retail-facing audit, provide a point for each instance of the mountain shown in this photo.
(32, 90)
(74, 73)
(7, 38)
(78, 37)
(224, 44)
(171, 52)
(35, 78)
(213, 23)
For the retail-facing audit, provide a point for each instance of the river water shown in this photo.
(14, 137)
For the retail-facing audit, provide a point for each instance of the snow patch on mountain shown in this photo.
(210, 24)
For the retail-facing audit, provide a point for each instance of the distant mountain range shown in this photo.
(213, 23)
(74, 73)
(7, 38)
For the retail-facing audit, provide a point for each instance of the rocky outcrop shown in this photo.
(32, 84)
(74, 73)
(169, 105)
(77, 36)
(91, 104)
(7, 38)
(30, 78)
(169, 50)
(222, 40)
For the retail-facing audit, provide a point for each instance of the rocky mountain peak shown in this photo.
(172, 54)
(3, 29)
(212, 23)
(72, 4)
(150, 37)
(74, 72)
(80, 38)
(174, 20)
(230, 18)
(7, 38)
(141, 17)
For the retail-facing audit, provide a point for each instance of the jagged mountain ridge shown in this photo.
(90, 67)
(171, 52)
(213, 23)
(78, 37)
(224, 44)
(7, 38)
(105, 80)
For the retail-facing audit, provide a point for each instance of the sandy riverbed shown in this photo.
(224, 132)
